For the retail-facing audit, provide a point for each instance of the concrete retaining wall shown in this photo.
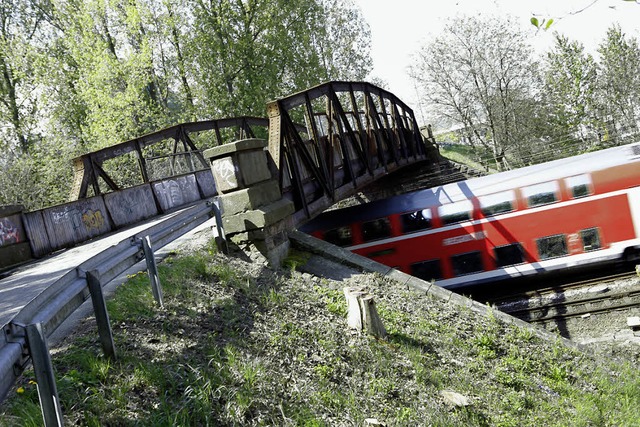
(14, 247)
(42, 232)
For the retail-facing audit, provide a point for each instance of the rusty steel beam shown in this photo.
(88, 168)
(369, 132)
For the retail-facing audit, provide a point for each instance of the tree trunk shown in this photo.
(362, 313)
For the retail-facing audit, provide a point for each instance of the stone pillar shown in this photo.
(254, 214)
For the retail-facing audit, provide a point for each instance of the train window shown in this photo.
(541, 194)
(339, 236)
(552, 246)
(509, 255)
(383, 252)
(467, 263)
(427, 270)
(579, 185)
(415, 221)
(376, 229)
(590, 239)
(498, 203)
(455, 212)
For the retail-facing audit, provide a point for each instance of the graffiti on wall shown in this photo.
(170, 193)
(68, 215)
(9, 233)
(79, 217)
(225, 173)
(130, 205)
(92, 219)
(177, 192)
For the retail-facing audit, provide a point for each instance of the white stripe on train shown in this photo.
(636, 215)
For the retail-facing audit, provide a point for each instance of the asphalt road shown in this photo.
(28, 281)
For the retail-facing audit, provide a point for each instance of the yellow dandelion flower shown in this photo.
(20, 390)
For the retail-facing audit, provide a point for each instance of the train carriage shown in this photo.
(569, 213)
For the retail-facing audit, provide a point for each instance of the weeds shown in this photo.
(232, 347)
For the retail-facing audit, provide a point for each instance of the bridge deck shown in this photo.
(29, 281)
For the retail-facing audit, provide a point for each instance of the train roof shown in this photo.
(489, 184)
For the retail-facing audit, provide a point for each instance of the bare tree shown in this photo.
(479, 73)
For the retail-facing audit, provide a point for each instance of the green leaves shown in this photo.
(545, 24)
(88, 74)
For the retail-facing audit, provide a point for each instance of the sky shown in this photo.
(400, 27)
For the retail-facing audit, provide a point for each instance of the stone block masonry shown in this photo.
(255, 217)
(239, 165)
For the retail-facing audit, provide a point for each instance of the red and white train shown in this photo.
(570, 213)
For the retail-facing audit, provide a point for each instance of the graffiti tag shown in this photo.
(76, 218)
(93, 219)
(225, 171)
(9, 233)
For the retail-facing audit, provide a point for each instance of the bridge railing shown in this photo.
(352, 132)
(68, 288)
(327, 143)
(169, 152)
(165, 171)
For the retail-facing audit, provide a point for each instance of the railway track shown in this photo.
(575, 299)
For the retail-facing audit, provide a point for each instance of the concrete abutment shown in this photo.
(255, 217)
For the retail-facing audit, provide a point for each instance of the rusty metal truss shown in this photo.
(179, 153)
(353, 133)
(327, 143)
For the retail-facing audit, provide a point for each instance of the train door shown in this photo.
(498, 239)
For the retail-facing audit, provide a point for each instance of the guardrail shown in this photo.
(25, 335)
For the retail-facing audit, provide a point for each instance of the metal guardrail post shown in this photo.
(102, 315)
(152, 269)
(47, 391)
(219, 236)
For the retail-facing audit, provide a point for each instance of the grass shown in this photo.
(465, 154)
(239, 345)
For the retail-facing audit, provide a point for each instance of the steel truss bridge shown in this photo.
(327, 143)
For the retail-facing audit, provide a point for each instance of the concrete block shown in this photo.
(275, 249)
(12, 229)
(14, 254)
(234, 147)
(250, 198)
(254, 167)
(272, 249)
(274, 257)
(239, 164)
(225, 174)
(258, 218)
(283, 226)
(10, 210)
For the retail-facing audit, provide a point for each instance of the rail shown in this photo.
(144, 158)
